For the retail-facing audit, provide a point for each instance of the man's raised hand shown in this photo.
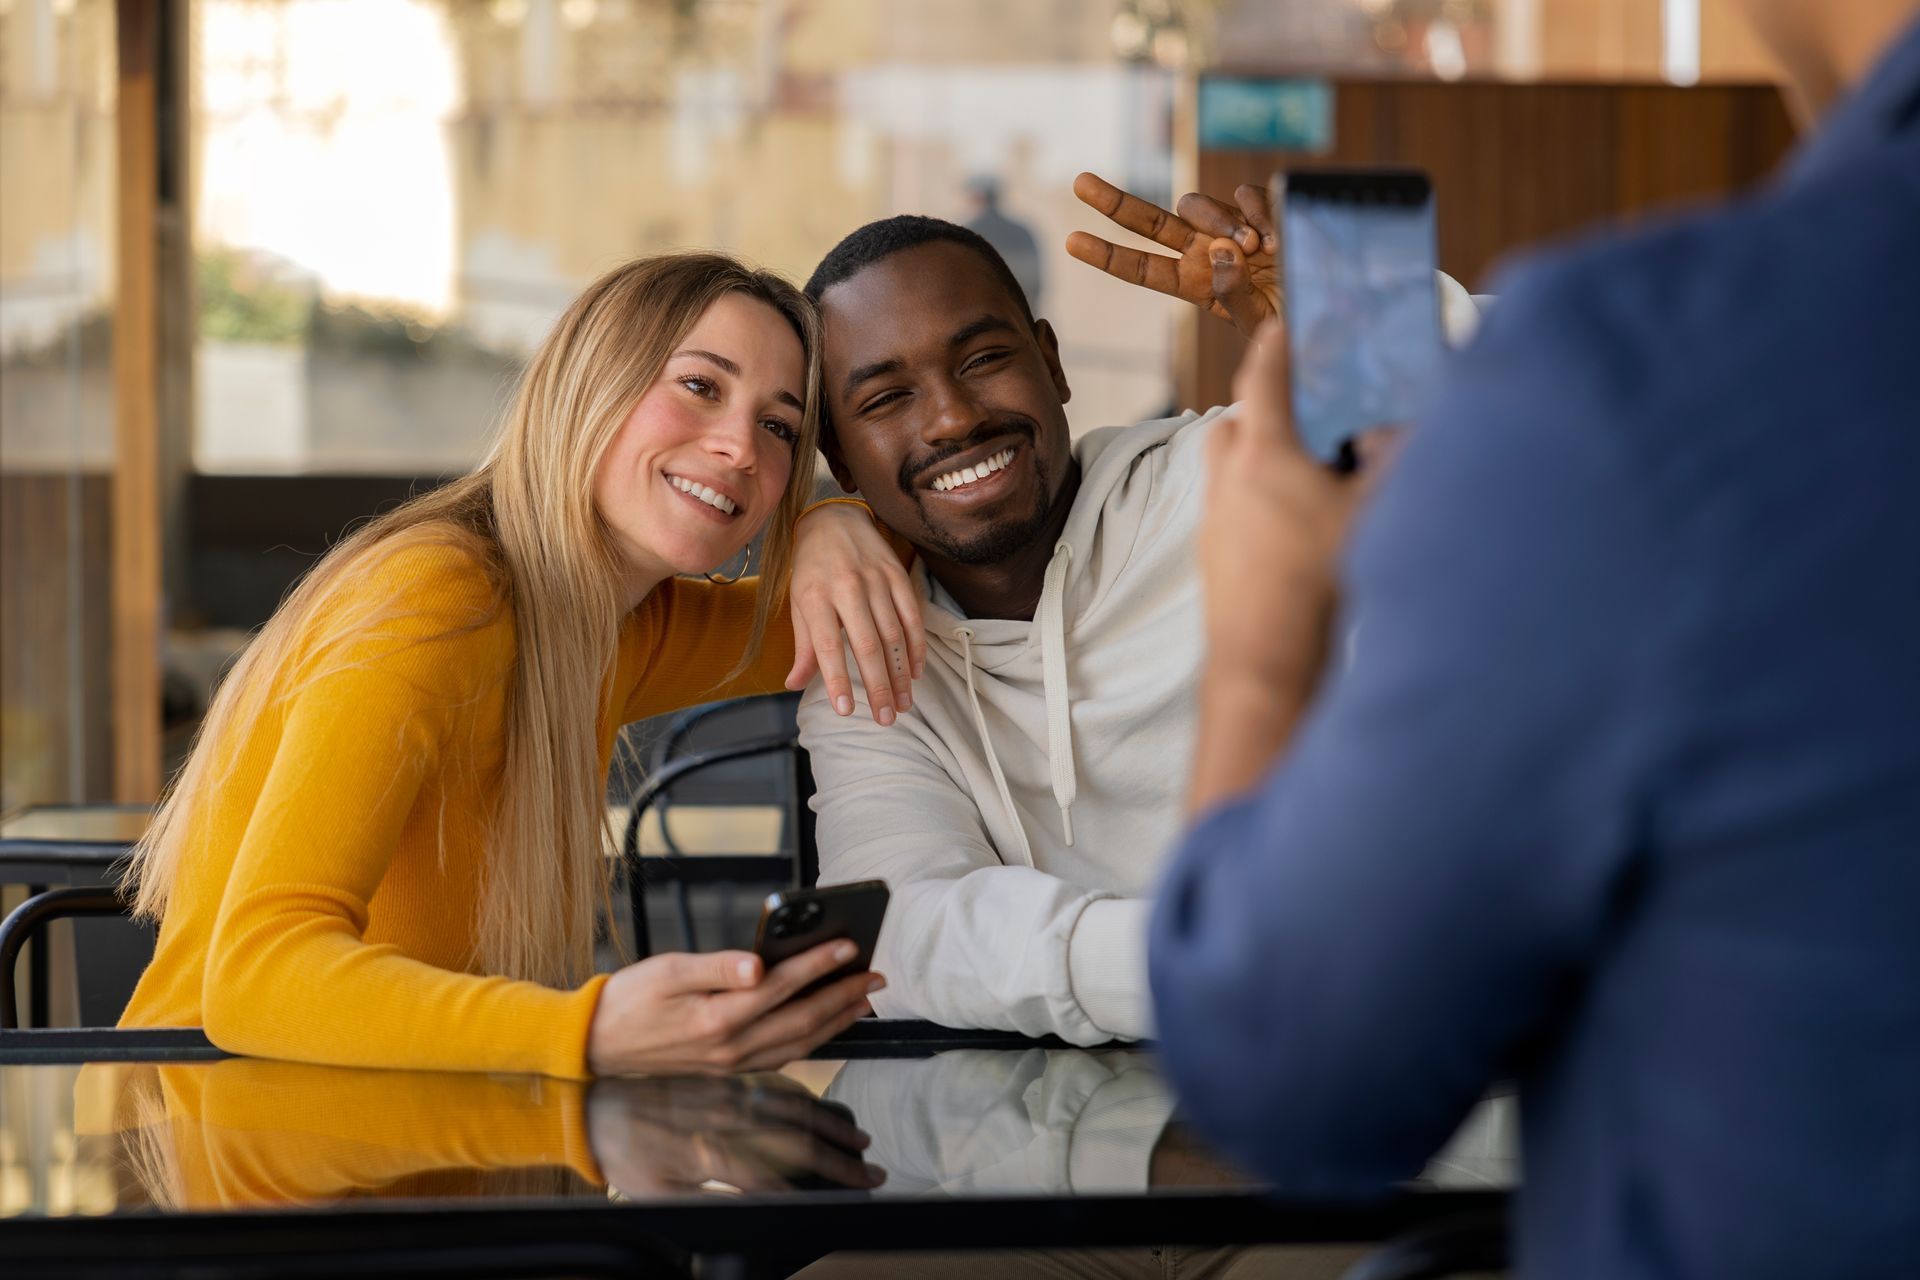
(1226, 263)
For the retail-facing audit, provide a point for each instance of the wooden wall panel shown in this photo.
(152, 364)
(1514, 165)
(136, 471)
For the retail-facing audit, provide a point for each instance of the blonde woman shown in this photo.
(386, 847)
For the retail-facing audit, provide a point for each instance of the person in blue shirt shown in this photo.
(1610, 785)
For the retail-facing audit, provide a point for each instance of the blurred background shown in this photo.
(268, 266)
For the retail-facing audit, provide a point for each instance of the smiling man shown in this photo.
(1021, 810)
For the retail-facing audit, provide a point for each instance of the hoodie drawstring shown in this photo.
(1051, 618)
(1053, 676)
(965, 636)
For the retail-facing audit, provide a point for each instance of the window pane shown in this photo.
(387, 225)
(56, 396)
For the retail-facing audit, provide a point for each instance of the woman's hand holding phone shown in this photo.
(723, 1011)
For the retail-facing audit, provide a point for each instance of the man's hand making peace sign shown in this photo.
(1226, 264)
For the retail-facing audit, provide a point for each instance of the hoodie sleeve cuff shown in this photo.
(1107, 966)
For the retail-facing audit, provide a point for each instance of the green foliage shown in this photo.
(239, 303)
(361, 328)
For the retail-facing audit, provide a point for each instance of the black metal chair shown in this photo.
(669, 769)
(27, 919)
(50, 845)
(1470, 1245)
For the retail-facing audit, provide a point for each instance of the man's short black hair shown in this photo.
(883, 239)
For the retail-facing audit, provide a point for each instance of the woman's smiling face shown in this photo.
(703, 459)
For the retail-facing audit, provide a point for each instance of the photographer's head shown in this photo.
(945, 394)
(1822, 48)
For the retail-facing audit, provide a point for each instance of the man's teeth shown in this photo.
(718, 501)
(967, 475)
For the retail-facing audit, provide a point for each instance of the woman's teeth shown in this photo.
(718, 501)
(967, 475)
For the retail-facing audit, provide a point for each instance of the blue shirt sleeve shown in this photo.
(1345, 960)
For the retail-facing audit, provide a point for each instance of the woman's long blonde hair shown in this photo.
(526, 516)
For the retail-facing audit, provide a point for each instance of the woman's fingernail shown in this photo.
(884, 715)
(843, 704)
(906, 702)
(746, 971)
(845, 951)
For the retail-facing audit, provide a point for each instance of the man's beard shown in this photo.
(1005, 537)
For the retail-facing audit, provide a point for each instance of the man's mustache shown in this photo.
(1011, 425)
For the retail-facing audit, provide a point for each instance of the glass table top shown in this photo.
(117, 1138)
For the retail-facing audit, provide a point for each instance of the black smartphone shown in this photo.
(1363, 312)
(796, 920)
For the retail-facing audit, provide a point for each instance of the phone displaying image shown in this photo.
(1363, 314)
(797, 920)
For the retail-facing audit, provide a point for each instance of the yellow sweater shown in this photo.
(313, 916)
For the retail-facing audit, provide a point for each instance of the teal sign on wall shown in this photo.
(1260, 114)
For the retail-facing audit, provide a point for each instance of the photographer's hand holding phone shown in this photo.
(1269, 548)
(666, 1136)
(724, 1011)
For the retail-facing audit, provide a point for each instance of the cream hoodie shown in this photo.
(1021, 810)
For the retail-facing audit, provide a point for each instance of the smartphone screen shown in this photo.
(1363, 316)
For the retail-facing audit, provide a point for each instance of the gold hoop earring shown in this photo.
(745, 565)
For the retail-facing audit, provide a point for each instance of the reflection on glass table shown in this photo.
(1076, 1121)
(115, 1138)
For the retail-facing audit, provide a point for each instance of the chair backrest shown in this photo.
(720, 754)
(110, 951)
(697, 730)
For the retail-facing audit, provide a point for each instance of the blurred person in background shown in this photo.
(1009, 237)
(386, 849)
(1619, 792)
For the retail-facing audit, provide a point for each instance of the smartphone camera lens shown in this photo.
(790, 921)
